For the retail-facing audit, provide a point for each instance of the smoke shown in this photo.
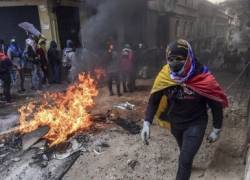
(111, 22)
(119, 21)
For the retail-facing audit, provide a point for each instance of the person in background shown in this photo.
(3, 47)
(33, 59)
(127, 67)
(69, 61)
(139, 55)
(182, 91)
(110, 62)
(41, 52)
(5, 76)
(15, 55)
(55, 61)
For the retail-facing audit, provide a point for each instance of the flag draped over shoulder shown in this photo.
(203, 84)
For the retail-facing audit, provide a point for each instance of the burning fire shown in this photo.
(64, 113)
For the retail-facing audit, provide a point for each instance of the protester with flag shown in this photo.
(179, 99)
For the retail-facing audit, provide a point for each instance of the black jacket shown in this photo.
(185, 107)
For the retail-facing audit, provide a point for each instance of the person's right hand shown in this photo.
(145, 133)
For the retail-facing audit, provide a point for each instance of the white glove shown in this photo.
(214, 135)
(145, 133)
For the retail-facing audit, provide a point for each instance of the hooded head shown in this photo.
(69, 44)
(13, 42)
(42, 44)
(53, 45)
(181, 60)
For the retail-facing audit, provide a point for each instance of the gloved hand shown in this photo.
(145, 133)
(214, 135)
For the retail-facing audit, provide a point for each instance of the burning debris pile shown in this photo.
(63, 112)
(56, 117)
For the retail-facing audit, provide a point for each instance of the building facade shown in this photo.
(57, 20)
(201, 22)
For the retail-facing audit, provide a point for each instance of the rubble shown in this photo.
(125, 106)
(74, 147)
(99, 146)
(31, 138)
(132, 163)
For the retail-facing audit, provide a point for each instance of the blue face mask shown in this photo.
(176, 63)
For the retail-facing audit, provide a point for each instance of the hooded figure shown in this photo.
(15, 55)
(69, 61)
(55, 61)
(179, 99)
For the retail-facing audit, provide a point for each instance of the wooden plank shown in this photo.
(31, 138)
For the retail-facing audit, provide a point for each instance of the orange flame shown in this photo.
(64, 113)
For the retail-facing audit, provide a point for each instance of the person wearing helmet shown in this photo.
(179, 99)
(127, 68)
(15, 55)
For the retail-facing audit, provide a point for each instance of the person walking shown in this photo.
(179, 98)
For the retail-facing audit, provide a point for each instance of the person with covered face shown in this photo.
(179, 98)
(69, 62)
(15, 55)
(33, 61)
(127, 65)
(110, 63)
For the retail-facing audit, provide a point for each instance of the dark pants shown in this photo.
(114, 77)
(189, 141)
(127, 82)
(45, 74)
(21, 73)
(133, 80)
(56, 74)
(6, 79)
